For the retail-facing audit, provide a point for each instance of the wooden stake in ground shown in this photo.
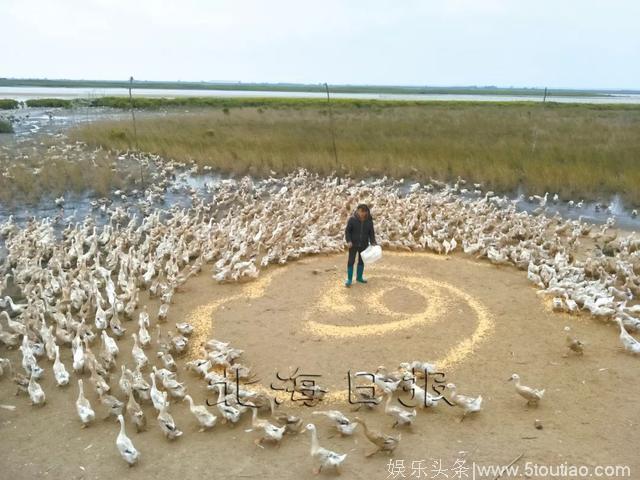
(333, 134)
(135, 130)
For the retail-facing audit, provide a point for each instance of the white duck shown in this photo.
(29, 362)
(138, 354)
(271, 432)
(168, 361)
(17, 327)
(36, 394)
(382, 379)
(418, 368)
(143, 334)
(199, 366)
(109, 345)
(125, 380)
(184, 328)
(205, 418)
(179, 343)
(629, 343)
(111, 404)
(325, 458)
(78, 358)
(5, 363)
(99, 383)
(229, 413)
(100, 320)
(531, 395)
(140, 385)
(166, 422)
(158, 398)
(59, 372)
(345, 426)
(125, 446)
(423, 398)
(83, 407)
(170, 382)
(466, 403)
(136, 413)
(401, 415)
(162, 312)
(573, 343)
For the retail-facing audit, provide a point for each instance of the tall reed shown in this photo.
(576, 150)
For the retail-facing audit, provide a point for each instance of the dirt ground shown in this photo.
(478, 322)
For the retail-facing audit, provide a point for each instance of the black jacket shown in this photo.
(360, 233)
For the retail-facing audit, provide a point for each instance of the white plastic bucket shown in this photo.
(371, 254)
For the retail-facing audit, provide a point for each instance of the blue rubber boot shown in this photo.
(359, 274)
(349, 276)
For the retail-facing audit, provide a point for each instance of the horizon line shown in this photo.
(390, 85)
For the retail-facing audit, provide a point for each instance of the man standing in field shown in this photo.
(358, 235)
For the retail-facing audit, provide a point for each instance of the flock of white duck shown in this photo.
(79, 286)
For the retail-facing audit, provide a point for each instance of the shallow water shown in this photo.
(26, 93)
(592, 212)
(29, 121)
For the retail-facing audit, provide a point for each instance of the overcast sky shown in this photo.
(555, 43)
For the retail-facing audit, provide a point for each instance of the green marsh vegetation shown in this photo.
(8, 104)
(5, 126)
(49, 103)
(578, 150)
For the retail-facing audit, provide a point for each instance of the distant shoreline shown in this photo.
(314, 88)
(144, 102)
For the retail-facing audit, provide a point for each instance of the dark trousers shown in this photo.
(352, 256)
